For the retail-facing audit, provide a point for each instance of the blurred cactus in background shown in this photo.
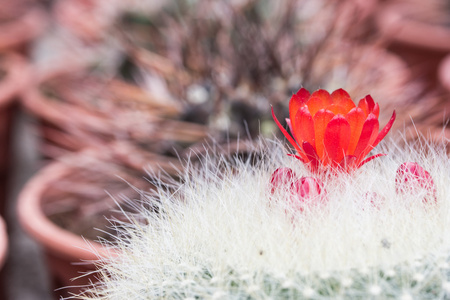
(220, 63)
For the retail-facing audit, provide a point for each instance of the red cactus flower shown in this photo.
(411, 178)
(331, 131)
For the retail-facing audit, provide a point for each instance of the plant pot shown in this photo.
(60, 191)
(419, 40)
(15, 76)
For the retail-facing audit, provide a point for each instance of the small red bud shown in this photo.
(281, 178)
(306, 189)
(411, 178)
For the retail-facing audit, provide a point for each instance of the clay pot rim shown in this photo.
(36, 223)
(3, 241)
(64, 242)
(394, 25)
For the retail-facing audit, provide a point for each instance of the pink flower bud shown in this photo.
(281, 178)
(306, 191)
(307, 187)
(411, 178)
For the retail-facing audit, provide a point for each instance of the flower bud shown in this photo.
(307, 187)
(411, 178)
(306, 191)
(281, 178)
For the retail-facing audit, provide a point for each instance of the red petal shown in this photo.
(356, 119)
(337, 110)
(319, 99)
(369, 159)
(342, 100)
(303, 94)
(368, 133)
(384, 131)
(376, 110)
(364, 106)
(370, 102)
(337, 138)
(297, 100)
(290, 139)
(303, 126)
(321, 120)
(311, 155)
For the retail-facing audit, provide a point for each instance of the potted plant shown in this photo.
(63, 209)
(323, 222)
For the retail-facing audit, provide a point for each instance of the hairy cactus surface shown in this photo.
(234, 230)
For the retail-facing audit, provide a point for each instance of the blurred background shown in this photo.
(97, 96)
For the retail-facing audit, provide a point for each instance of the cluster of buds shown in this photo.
(333, 136)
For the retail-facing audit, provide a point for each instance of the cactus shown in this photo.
(225, 233)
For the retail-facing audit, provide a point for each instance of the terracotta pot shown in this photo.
(64, 207)
(16, 75)
(68, 255)
(417, 39)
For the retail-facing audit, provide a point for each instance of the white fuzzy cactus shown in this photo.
(225, 233)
